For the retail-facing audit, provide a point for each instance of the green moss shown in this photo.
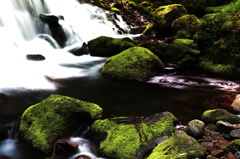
(125, 140)
(178, 146)
(218, 39)
(165, 15)
(136, 63)
(108, 46)
(42, 123)
(187, 22)
(233, 147)
(215, 115)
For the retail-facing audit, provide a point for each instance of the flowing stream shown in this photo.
(28, 82)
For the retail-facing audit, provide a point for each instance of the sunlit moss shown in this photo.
(124, 141)
(42, 123)
(135, 63)
(215, 115)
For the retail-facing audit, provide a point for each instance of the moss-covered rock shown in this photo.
(178, 146)
(187, 22)
(128, 138)
(135, 63)
(212, 116)
(233, 147)
(219, 41)
(165, 15)
(107, 46)
(43, 123)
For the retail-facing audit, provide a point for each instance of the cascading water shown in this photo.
(23, 32)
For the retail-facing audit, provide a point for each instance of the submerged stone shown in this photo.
(212, 116)
(35, 57)
(178, 146)
(135, 63)
(128, 138)
(42, 124)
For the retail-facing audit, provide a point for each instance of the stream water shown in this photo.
(27, 82)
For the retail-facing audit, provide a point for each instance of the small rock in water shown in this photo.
(235, 133)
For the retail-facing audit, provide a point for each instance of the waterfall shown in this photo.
(23, 32)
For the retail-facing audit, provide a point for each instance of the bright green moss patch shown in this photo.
(136, 63)
(178, 146)
(126, 137)
(212, 116)
(42, 123)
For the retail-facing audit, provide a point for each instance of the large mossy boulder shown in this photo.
(128, 138)
(165, 15)
(53, 118)
(233, 147)
(135, 63)
(214, 115)
(219, 41)
(187, 22)
(107, 46)
(178, 146)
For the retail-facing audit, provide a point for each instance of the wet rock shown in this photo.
(214, 115)
(56, 29)
(65, 149)
(179, 145)
(165, 15)
(107, 46)
(211, 127)
(83, 157)
(135, 63)
(131, 137)
(53, 118)
(35, 57)
(235, 133)
(195, 128)
(217, 153)
(236, 104)
(79, 50)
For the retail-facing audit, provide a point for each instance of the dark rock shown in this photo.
(65, 149)
(35, 57)
(79, 50)
(224, 126)
(56, 29)
(211, 127)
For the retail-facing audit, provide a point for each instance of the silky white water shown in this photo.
(20, 29)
